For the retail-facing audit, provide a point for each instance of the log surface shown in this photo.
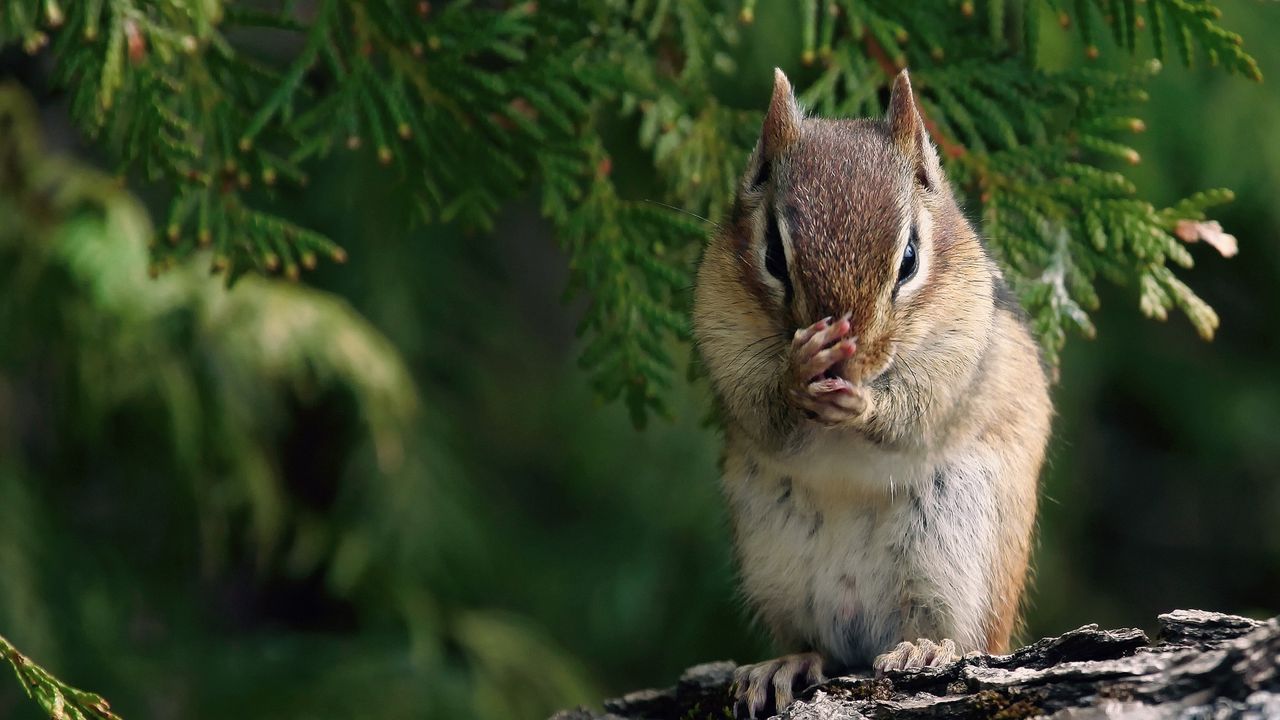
(1201, 665)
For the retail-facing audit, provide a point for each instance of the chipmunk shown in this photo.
(885, 409)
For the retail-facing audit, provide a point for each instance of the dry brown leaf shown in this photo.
(1210, 231)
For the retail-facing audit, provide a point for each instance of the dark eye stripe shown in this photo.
(775, 258)
(762, 175)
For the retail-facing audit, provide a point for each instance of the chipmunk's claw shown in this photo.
(922, 653)
(823, 395)
(769, 687)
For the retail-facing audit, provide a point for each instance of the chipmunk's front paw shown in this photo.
(920, 654)
(769, 687)
(816, 388)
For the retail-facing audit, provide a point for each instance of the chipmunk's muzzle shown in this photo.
(870, 361)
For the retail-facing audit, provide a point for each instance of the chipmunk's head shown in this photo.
(855, 217)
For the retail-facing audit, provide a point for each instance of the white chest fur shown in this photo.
(851, 556)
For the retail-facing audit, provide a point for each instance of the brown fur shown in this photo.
(948, 374)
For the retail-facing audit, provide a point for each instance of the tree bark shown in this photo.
(1202, 665)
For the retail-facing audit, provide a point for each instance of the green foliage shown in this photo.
(175, 393)
(225, 104)
(76, 234)
(60, 700)
(470, 104)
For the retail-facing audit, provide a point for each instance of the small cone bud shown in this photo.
(53, 14)
(135, 41)
(34, 42)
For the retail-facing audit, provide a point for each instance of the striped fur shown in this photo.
(914, 518)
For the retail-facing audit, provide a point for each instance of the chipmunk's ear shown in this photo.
(782, 122)
(906, 127)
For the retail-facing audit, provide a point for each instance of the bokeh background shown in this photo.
(391, 492)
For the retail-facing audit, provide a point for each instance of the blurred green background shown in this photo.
(390, 493)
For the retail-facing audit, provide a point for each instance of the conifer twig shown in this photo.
(59, 700)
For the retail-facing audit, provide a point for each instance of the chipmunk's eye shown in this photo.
(908, 266)
(775, 258)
